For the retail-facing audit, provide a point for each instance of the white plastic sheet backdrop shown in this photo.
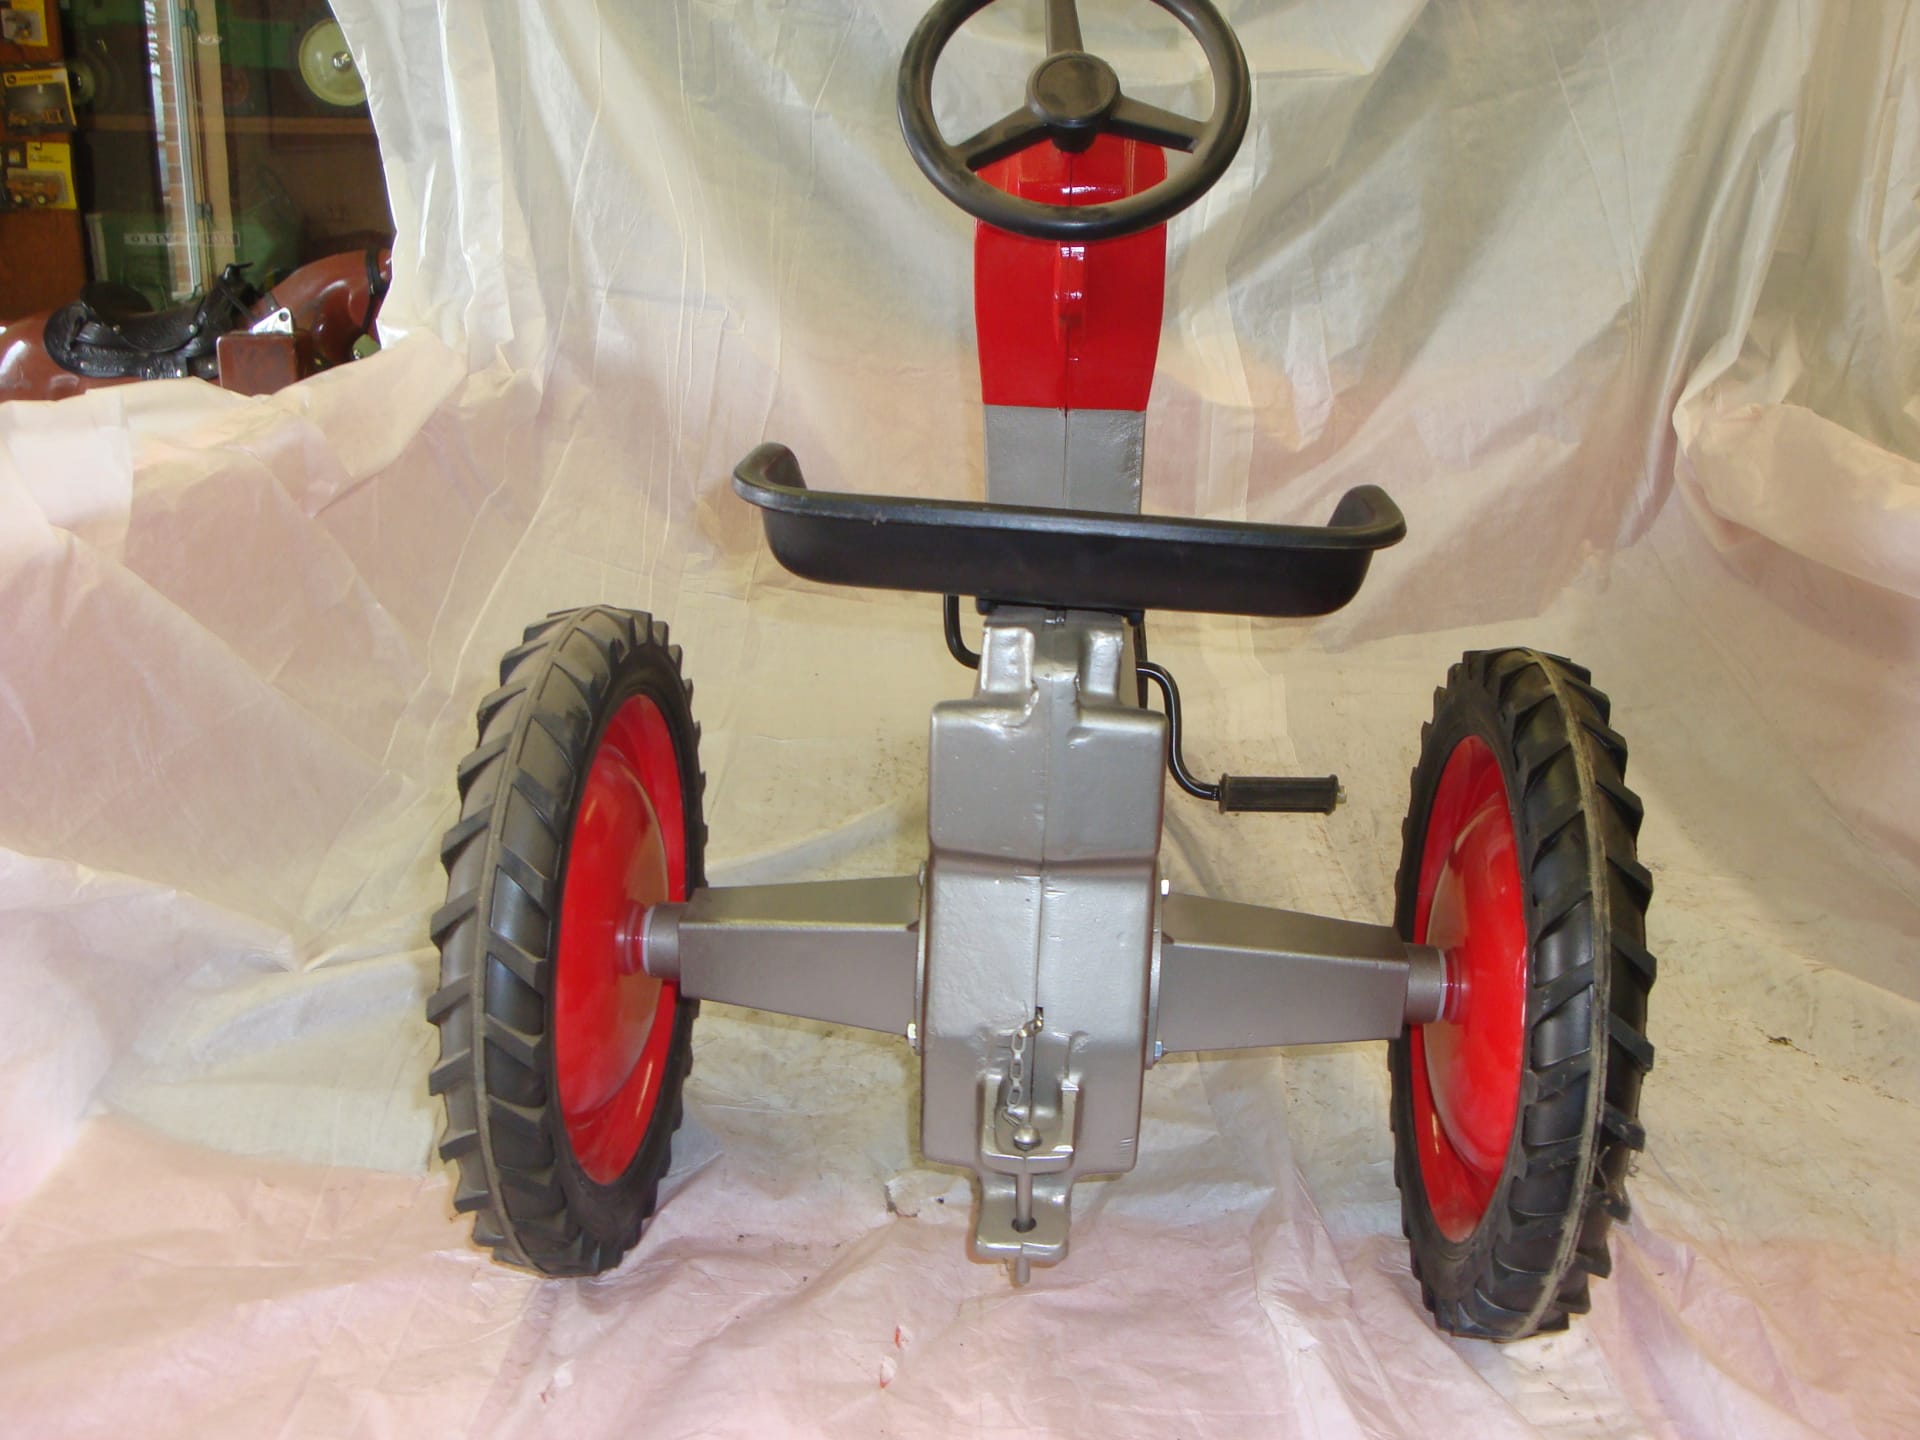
(1619, 302)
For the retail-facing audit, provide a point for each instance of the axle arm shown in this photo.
(843, 951)
(1233, 976)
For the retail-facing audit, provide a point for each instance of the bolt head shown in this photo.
(1025, 1137)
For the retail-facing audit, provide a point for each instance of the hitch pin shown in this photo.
(1025, 1137)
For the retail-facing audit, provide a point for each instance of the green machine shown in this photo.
(297, 39)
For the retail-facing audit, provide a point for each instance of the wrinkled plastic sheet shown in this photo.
(1618, 302)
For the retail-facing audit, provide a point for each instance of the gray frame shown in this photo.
(1037, 963)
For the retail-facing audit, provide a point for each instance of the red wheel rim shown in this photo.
(1465, 1068)
(612, 1022)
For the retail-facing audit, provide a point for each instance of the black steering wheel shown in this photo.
(1073, 98)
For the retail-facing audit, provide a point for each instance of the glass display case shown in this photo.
(215, 132)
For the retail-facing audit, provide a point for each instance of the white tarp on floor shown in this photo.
(1618, 301)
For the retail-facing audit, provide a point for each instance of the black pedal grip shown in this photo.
(1291, 794)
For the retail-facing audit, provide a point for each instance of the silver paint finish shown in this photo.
(1429, 984)
(1044, 817)
(844, 951)
(1037, 963)
(1234, 976)
(1065, 459)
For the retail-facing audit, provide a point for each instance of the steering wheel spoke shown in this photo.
(1136, 120)
(1073, 99)
(1063, 26)
(1008, 135)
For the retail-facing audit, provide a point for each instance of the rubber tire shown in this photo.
(1526, 1266)
(533, 1205)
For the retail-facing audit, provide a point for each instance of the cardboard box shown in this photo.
(24, 22)
(36, 98)
(39, 175)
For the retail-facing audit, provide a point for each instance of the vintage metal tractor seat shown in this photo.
(1067, 559)
(1039, 962)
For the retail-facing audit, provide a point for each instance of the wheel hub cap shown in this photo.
(1467, 1067)
(327, 68)
(613, 1023)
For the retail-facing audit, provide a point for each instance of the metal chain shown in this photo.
(1018, 1106)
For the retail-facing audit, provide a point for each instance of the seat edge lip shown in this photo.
(1383, 526)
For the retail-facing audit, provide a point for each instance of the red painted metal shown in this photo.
(612, 1022)
(1466, 1068)
(1071, 327)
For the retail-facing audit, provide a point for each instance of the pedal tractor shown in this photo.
(1038, 963)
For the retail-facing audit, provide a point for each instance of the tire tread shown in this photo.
(1528, 1266)
(503, 858)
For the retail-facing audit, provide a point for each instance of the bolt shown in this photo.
(1025, 1137)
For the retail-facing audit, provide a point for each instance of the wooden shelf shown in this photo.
(43, 258)
(288, 125)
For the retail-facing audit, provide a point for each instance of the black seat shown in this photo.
(1067, 559)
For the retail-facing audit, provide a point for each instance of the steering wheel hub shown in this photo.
(1072, 94)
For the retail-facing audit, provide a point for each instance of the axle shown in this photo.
(1037, 963)
(1228, 976)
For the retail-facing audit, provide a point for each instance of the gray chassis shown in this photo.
(1038, 964)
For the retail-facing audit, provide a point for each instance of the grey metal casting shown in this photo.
(1037, 964)
(1065, 459)
(1044, 809)
(844, 951)
(1234, 976)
